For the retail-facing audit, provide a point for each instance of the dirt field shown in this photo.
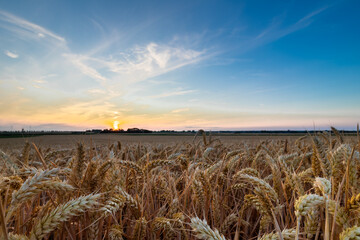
(69, 141)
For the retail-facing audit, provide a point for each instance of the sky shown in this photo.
(182, 65)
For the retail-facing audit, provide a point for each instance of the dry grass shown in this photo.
(203, 189)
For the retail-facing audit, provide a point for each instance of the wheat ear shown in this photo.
(31, 185)
(350, 234)
(203, 231)
(287, 234)
(303, 205)
(62, 213)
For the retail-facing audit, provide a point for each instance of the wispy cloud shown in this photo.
(58, 84)
(11, 54)
(274, 89)
(26, 28)
(79, 62)
(130, 65)
(275, 24)
(276, 30)
(173, 93)
(312, 14)
(137, 64)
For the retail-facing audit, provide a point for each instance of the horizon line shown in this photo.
(129, 130)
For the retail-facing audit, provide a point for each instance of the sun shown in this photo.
(116, 125)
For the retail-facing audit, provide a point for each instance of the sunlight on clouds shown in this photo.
(53, 83)
(180, 110)
(40, 81)
(160, 57)
(177, 92)
(136, 64)
(11, 54)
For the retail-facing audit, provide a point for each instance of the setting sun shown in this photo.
(116, 125)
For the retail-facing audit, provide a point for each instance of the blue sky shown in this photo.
(179, 64)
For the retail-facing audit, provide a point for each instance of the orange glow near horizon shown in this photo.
(116, 125)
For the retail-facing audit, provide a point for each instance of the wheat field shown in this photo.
(204, 188)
